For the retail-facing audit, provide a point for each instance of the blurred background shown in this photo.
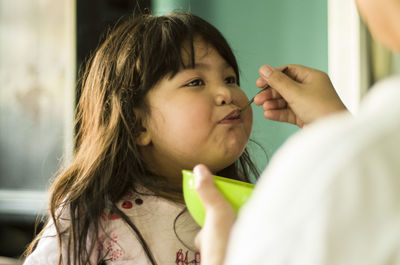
(43, 43)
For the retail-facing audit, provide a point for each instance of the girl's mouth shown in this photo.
(233, 117)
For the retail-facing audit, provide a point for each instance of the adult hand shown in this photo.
(213, 238)
(299, 96)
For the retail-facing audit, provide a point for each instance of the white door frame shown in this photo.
(347, 52)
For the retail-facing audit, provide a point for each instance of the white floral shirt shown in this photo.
(170, 239)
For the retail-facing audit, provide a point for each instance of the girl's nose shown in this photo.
(223, 95)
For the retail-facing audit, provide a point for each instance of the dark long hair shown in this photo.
(107, 163)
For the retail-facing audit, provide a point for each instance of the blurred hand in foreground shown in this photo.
(213, 238)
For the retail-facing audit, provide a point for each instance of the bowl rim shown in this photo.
(222, 179)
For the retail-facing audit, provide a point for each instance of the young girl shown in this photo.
(161, 94)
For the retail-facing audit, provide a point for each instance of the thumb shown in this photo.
(279, 81)
(198, 239)
(211, 197)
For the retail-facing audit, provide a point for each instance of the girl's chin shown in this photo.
(217, 161)
(235, 146)
(223, 164)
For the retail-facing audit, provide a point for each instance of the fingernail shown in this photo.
(266, 71)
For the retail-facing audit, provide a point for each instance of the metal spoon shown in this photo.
(252, 100)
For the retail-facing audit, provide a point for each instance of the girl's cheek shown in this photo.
(242, 98)
(249, 119)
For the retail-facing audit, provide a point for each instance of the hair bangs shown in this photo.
(170, 40)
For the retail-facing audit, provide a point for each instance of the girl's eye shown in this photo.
(196, 82)
(231, 80)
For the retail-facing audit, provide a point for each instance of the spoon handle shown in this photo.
(251, 100)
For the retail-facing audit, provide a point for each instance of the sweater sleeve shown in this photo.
(330, 196)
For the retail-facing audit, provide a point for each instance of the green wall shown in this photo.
(261, 32)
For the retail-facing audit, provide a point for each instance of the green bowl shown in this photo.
(236, 193)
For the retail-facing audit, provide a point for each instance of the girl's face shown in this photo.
(194, 117)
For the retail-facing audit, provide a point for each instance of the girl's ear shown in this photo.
(144, 137)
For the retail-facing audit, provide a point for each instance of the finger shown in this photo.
(198, 239)
(282, 83)
(206, 189)
(261, 82)
(278, 115)
(283, 68)
(298, 73)
(275, 94)
(282, 115)
(265, 95)
(274, 104)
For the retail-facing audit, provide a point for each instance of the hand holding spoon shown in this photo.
(252, 100)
